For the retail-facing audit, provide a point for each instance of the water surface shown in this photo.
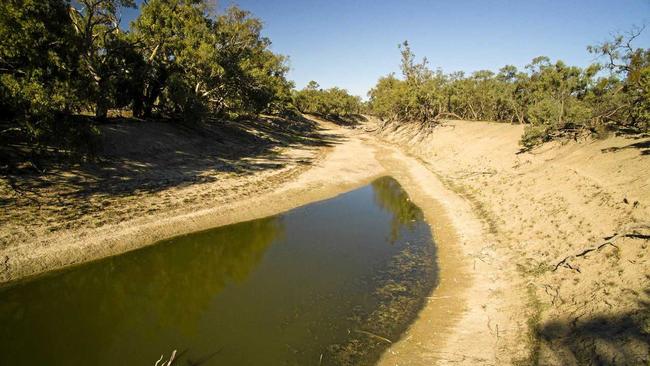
(321, 284)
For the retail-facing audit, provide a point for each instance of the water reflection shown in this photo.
(141, 296)
(390, 196)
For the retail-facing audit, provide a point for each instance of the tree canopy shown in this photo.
(551, 98)
(183, 61)
(62, 62)
(332, 102)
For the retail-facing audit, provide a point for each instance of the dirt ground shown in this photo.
(502, 221)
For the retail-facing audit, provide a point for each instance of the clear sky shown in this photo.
(352, 43)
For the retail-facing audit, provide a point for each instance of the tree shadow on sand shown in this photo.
(150, 156)
(611, 339)
(643, 146)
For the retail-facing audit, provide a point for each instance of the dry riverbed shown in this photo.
(502, 222)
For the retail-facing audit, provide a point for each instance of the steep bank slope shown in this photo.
(542, 207)
(148, 178)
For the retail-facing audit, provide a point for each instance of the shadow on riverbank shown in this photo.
(605, 339)
(152, 155)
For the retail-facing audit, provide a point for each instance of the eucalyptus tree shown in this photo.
(97, 24)
(178, 48)
(253, 78)
(624, 97)
(58, 59)
(513, 94)
(385, 98)
(422, 92)
(332, 102)
(552, 99)
(307, 99)
(197, 64)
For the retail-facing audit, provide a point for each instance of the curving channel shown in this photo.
(330, 283)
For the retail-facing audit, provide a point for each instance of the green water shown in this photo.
(307, 287)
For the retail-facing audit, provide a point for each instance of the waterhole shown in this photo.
(330, 283)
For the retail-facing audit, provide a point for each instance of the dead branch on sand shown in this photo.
(633, 232)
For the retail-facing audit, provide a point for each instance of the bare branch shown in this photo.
(633, 232)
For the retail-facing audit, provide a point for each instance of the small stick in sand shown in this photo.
(374, 335)
(438, 297)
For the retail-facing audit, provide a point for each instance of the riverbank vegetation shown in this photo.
(553, 99)
(333, 102)
(66, 66)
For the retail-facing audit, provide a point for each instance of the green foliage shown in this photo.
(37, 58)
(254, 77)
(196, 64)
(176, 61)
(552, 99)
(176, 44)
(101, 53)
(632, 94)
(333, 102)
(418, 97)
(39, 79)
(59, 59)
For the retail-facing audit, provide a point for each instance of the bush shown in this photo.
(333, 102)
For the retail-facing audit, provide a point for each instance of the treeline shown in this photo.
(334, 102)
(180, 59)
(552, 99)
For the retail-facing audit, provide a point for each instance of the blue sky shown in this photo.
(352, 43)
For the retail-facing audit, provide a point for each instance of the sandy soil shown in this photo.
(502, 221)
(554, 301)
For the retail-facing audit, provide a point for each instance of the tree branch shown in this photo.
(610, 240)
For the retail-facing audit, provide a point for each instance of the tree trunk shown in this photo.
(138, 106)
(475, 116)
(101, 111)
(152, 92)
(101, 108)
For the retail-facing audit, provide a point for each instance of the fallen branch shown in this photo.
(449, 114)
(468, 174)
(609, 240)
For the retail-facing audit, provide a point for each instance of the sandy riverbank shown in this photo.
(499, 218)
(539, 295)
(166, 184)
